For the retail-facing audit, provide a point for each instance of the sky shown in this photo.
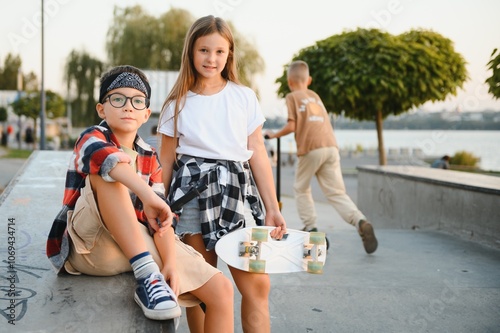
(278, 28)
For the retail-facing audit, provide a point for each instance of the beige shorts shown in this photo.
(95, 252)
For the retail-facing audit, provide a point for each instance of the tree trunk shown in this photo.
(381, 149)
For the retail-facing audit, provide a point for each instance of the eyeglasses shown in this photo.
(118, 100)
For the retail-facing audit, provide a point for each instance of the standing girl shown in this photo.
(211, 128)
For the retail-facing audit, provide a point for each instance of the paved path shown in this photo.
(417, 281)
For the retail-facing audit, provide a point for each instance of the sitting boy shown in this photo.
(114, 217)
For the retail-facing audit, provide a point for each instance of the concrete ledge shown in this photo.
(409, 197)
(33, 298)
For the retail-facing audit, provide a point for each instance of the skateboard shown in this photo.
(253, 250)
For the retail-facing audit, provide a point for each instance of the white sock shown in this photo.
(143, 265)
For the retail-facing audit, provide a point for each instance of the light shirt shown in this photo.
(313, 129)
(133, 156)
(216, 126)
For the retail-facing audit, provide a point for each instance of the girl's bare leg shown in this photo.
(254, 289)
(218, 296)
(195, 315)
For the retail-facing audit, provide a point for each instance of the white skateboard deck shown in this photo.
(253, 250)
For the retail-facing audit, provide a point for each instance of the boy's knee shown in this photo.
(226, 286)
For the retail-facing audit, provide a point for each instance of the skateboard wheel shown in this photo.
(257, 266)
(315, 267)
(247, 249)
(259, 235)
(306, 254)
(317, 238)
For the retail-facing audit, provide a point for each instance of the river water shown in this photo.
(483, 144)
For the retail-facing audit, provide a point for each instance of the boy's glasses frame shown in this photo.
(119, 103)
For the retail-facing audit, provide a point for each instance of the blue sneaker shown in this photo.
(156, 299)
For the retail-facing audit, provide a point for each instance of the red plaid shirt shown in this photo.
(97, 152)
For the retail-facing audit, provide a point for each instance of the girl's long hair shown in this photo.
(188, 75)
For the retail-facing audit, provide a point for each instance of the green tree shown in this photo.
(158, 44)
(82, 72)
(30, 105)
(130, 38)
(370, 74)
(172, 28)
(494, 80)
(30, 82)
(3, 114)
(250, 62)
(9, 72)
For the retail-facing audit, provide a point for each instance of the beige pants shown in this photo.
(95, 252)
(324, 163)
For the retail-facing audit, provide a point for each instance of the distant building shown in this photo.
(161, 83)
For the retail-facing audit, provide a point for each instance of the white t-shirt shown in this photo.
(215, 126)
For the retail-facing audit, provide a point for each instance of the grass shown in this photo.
(17, 153)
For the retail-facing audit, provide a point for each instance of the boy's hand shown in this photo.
(158, 213)
(268, 135)
(172, 278)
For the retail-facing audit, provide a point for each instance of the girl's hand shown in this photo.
(274, 218)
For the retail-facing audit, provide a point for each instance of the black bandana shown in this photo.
(124, 80)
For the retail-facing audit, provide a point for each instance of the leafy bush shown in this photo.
(3, 113)
(464, 158)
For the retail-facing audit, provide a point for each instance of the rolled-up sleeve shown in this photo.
(95, 154)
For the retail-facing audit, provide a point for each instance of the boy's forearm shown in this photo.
(124, 174)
